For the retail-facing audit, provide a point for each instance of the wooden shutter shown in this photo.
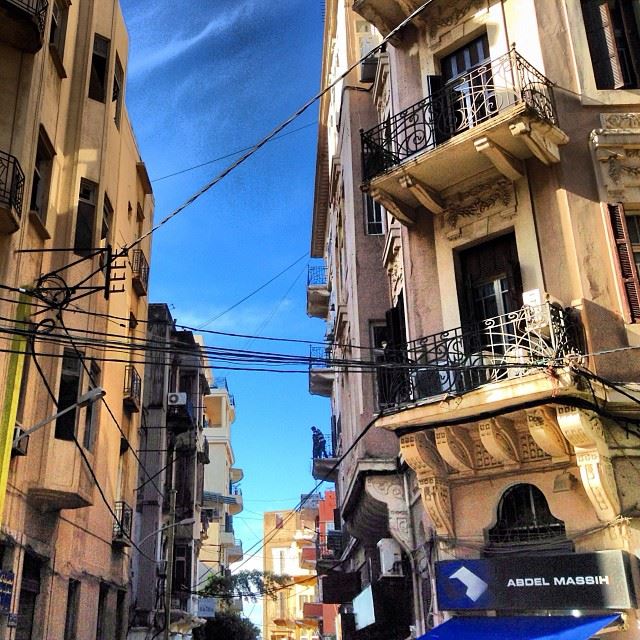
(628, 273)
(602, 44)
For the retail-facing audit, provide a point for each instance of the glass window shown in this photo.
(374, 213)
(118, 90)
(91, 410)
(58, 29)
(86, 219)
(68, 395)
(41, 177)
(99, 64)
(107, 219)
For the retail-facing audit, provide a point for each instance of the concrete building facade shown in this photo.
(73, 194)
(489, 150)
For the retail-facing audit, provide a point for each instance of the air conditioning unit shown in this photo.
(177, 399)
(390, 558)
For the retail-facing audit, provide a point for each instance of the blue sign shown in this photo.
(600, 580)
(6, 591)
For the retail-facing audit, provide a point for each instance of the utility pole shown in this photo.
(169, 581)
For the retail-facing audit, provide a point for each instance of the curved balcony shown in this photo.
(318, 292)
(22, 23)
(321, 373)
(497, 354)
(494, 116)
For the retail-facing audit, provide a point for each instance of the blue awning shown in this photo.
(520, 628)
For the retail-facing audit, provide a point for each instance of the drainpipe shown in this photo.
(415, 578)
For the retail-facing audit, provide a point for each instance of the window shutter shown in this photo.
(602, 44)
(628, 273)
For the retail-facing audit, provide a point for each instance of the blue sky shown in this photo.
(204, 80)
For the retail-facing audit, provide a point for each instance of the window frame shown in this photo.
(372, 211)
(86, 216)
(118, 90)
(99, 68)
(72, 609)
(42, 178)
(66, 425)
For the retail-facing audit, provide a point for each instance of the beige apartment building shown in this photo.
(478, 213)
(293, 613)
(73, 193)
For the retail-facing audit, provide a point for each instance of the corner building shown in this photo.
(477, 210)
(73, 191)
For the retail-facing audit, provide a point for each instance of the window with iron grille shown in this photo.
(524, 517)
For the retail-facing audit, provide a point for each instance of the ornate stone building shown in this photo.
(482, 179)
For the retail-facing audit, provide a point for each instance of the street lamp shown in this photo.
(84, 400)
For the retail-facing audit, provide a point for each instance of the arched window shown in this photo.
(524, 517)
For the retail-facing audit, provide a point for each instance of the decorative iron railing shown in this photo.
(322, 445)
(140, 272)
(317, 275)
(465, 102)
(221, 383)
(513, 345)
(132, 385)
(122, 525)
(37, 8)
(11, 183)
(319, 357)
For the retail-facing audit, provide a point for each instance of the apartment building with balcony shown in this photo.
(222, 492)
(174, 453)
(497, 161)
(289, 536)
(73, 193)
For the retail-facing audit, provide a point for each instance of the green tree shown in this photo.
(244, 584)
(227, 625)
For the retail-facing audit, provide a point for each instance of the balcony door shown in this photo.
(467, 95)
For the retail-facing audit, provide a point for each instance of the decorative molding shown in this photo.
(423, 458)
(451, 16)
(393, 261)
(620, 120)
(456, 448)
(583, 429)
(421, 455)
(390, 491)
(500, 439)
(544, 429)
(478, 200)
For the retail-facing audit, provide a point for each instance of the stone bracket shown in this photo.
(544, 429)
(582, 429)
(456, 448)
(426, 196)
(499, 438)
(420, 454)
(541, 139)
(509, 166)
(390, 490)
(399, 210)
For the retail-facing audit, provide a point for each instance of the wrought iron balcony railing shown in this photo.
(140, 272)
(513, 345)
(35, 8)
(132, 391)
(465, 102)
(317, 276)
(122, 525)
(221, 383)
(11, 183)
(319, 357)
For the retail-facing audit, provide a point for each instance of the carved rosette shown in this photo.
(546, 433)
(431, 472)
(390, 491)
(456, 448)
(583, 429)
(500, 439)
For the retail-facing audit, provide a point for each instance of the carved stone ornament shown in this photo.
(620, 120)
(390, 490)
(544, 429)
(478, 200)
(499, 438)
(583, 429)
(423, 458)
(448, 16)
(456, 448)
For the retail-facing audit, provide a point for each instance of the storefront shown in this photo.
(569, 596)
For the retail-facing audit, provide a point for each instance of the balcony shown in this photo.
(139, 273)
(132, 391)
(494, 116)
(320, 372)
(235, 501)
(312, 610)
(227, 539)
(219, 405)
(338, 587)
(122, 525)
(318, 292)
(63, 481)
(234, 552)
(308, 558)
(500, 350)
(324, 458)
(236, 474)
(11, 192)
(22, 23)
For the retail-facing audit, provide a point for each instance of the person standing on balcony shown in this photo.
(319, 443)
